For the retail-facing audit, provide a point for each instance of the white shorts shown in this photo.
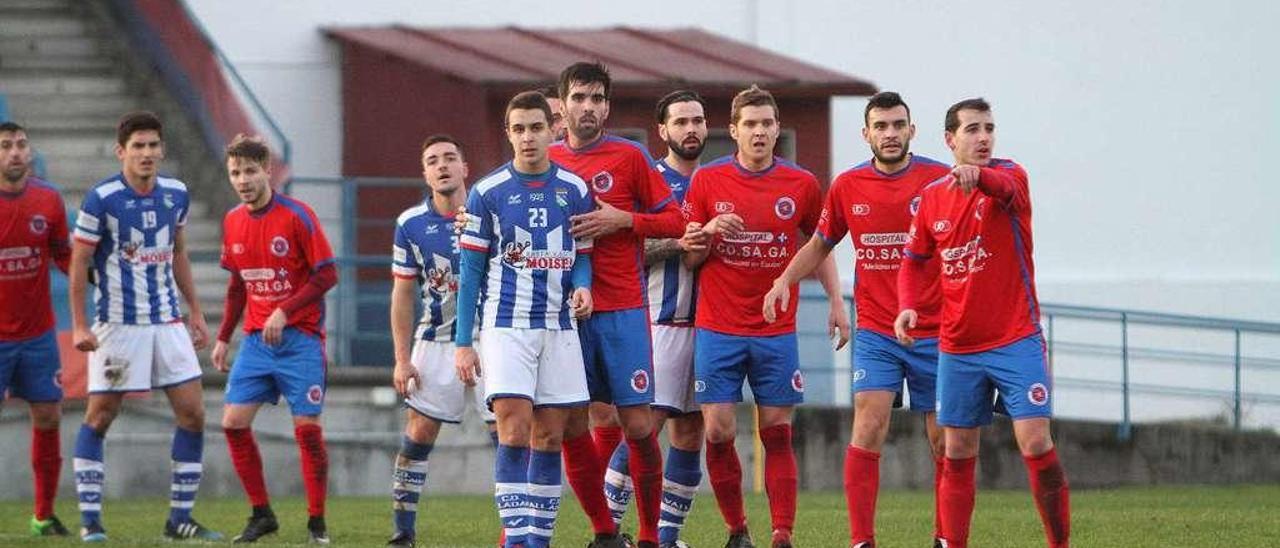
(673, 368)
(439, 394)
(136, 358)
(541, 365)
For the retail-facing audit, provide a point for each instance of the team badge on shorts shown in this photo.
(859, 375)
(640, 381)
(602, 182)
(797, 381)
(699, 386)
(115, 371)
(315, 395)
(1038, 394)
(279, 246)
(785, 208)
(38, 224)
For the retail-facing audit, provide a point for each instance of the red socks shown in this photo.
(938, 464)
(586, 477)
(248, 464)
(861, 486)
(315, 466)
(646, 474)
(1053, 497)
(606, 439)
(726, 480)
(957, 494)
(46, 463)
(780, 476)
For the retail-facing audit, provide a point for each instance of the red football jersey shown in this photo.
(984, 245)
(33, 231)
(275, 251)
(875, 209)
(776, 205)
(621, 173)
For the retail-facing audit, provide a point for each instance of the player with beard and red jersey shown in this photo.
(33, 232)
(977, 221)
(746, 214)
(873, 202)
(634, 203)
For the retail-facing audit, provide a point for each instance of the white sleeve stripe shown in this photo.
(88, 221)
(86, 235)
(404, 270)
(474, 240)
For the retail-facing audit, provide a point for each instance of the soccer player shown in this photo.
(425, 254)
(557, 111)
(746, 214)
(33, 235)
(281, 266)
(682, 124)
(634, 203)
(130, 230)
(532, 278)
(873, 203)
(977, 221)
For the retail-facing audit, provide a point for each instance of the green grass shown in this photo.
(1169, 516)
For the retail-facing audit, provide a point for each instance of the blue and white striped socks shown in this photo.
(543, 500)
(679, 485)
(187, 454)
(410, 478)
(618, 487)
(90, 473)
(510, 487)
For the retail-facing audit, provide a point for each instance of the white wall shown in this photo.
(1146, 126)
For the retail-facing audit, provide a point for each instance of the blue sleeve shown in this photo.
(473, 271)
(580, 275)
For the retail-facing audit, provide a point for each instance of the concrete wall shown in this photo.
(363, 436)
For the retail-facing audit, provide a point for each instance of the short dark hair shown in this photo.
(677, 96)
(952, 121)
(583, 72)
(753, 96)
(11, 127)
(527, 100)
(884, 100)
(250, 147)
(549, 91)
(136, 121)
(440, 138)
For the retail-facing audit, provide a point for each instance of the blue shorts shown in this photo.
(294, 369)
(1018, 372)
(618, 355)
(880, 363)
(29, 369)
(770, 364)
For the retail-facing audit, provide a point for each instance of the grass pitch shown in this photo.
(1135, 517)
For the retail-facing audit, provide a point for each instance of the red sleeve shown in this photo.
(233, 308)
(920, 242)
(59, 237)
(912, 278)
(812, 207)
(832, 223)
(694, 209)
(315, 244)
(1007, 182)
(660, 216)
(314, 290)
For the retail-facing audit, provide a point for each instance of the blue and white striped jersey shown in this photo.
(671, 285)
(522, 223)
(134, 234)
(426, 250)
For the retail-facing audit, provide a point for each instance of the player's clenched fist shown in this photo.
(404, 377)
(85, 340)
(580, 303)
(694, 239)
(966, 177)
(906, 320)
(467, 363)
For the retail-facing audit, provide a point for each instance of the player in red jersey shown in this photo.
(634, 203)
(746, 214)
(281, 266)
(558, 130)
(978, 222)
(33, 232)
(873, 202)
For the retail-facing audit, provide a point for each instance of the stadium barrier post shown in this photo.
(1125, 428)
(1237, 412)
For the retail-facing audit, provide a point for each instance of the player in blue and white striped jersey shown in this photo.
(682, 124)
(130, 230)
(425, 265)
(534, 280)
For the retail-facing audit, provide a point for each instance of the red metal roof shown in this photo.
(639, 59)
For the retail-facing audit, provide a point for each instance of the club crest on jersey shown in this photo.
(784, 208)
(1038, 394)
(38, 224)
(861, 210)
(315, 394)
(279, 246)
(724, 207)
(640, 381)
(562, 197)
(168, 200)
(915, 205)
(797, 381)
(441, 280)
(602, 182)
